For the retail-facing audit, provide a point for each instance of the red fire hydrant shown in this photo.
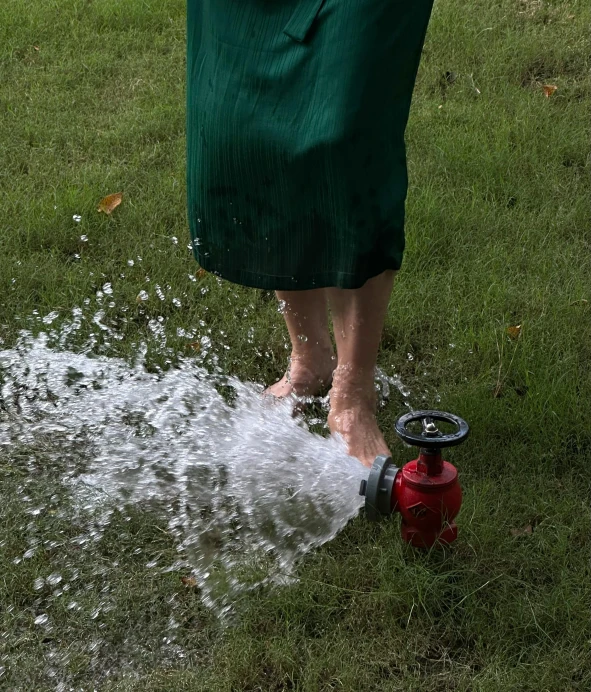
(425, 491)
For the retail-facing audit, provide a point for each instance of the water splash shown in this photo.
(245, 488)
(96, 450)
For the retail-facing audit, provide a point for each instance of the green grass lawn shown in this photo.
(499, 235)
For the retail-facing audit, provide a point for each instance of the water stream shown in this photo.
(244, 486)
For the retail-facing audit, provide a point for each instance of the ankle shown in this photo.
(359, 399)
(312, 353)
(349, 378)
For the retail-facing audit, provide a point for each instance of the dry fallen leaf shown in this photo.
(525, 531)
(110, 202)
(200, 273)
(189, 581)
(195, 345)
(549, 89)
(514, 332)
(36, 48)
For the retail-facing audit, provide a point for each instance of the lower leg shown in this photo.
(312, 357)
(358, 319)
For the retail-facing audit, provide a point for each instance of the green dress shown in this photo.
(296, 163)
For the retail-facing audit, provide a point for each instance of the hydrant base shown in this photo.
(423, 539)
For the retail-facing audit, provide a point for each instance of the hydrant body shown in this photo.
(425, 491)
(428, 503)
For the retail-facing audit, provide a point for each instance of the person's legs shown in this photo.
(358, 318)
(312, 358)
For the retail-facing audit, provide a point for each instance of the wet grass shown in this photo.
(92, 102)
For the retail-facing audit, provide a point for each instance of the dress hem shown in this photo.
(287, 283)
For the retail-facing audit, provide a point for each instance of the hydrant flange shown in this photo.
(379, 488)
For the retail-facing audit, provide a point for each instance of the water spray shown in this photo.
(426, 490)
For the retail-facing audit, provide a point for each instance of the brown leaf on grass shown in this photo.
(524, 531)
(195, 345)
(36, 48)
(549, 89)
(514, 332)
(110, 202)
(189, 581)
(200, 273)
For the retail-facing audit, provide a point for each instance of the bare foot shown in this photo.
(307, 375)
(352, 415)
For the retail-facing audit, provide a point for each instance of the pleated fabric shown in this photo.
(296, 162)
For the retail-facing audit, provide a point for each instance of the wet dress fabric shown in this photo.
(296, 162)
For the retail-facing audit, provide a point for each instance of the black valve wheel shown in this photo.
(431, 437)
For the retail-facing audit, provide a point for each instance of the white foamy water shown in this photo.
(246, 488)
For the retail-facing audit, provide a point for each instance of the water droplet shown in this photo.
(50, 317)
(302, 337)
(83, 238)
